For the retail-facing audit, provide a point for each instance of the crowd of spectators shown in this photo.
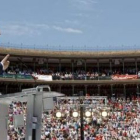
(122, 122)
(16, 108)
(77, 74)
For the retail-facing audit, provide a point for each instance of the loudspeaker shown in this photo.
(18, 120)
(48, 104)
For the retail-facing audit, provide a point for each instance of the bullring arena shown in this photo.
(101, 93)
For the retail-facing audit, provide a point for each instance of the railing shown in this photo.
(83, 78)
(71, 48)
(29, 77)
(16, 76)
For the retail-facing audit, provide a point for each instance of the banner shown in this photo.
(124, 77)
(42, 77)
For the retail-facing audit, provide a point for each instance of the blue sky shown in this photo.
(75, 23)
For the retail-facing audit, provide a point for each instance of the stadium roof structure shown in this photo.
(68, 54)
